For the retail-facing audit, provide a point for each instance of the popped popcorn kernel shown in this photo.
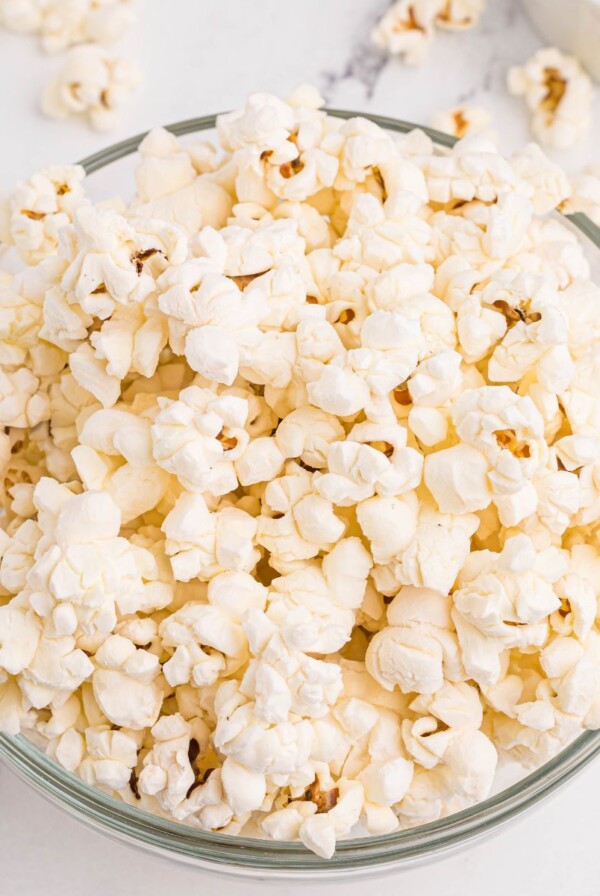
(559, 94)
(92, 83)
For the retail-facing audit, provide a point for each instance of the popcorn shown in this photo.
(62, 23)
(462, 120)
(585, 196)
(109, 437)
(80, 21)
(406, 29)
(38, 209)
(24, 16)
(301, 469)
(559, 94)
(205, 318)
(507, 599)
(111, 755)
(434, 556)
(198, 436)
(373, 459)
(92, 83)
(22, 403)
(453, 784)
(459, 14)
(126, 684)
(302, 522)
(418, 651)
(202, 544)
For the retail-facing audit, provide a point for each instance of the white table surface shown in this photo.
(203, 56)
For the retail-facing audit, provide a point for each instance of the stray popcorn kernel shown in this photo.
(559, 94)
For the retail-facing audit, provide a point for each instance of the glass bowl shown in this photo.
(242, 856)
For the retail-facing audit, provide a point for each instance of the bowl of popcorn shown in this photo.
(301, 451)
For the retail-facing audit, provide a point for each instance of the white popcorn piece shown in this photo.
(434, 556)
(127, 684)
(83, 21)
(22, 403)
(462, 120)
(503, 601)
(406, 29)
(201, 543)
(419, 649)
(459, 14)
(84, 570)
(199, 436)
(92, 83)
(109, 437)
(558, 92)
(508, 432)
(550, 184)
(454, 783)
(40, 207)
(302, 522)
(24, 16)
(314, 607)
(214, 322)
(585, 195)
(374, 459)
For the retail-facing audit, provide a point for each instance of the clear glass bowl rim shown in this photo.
(246, 856)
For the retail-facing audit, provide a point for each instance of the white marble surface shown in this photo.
(203, 56)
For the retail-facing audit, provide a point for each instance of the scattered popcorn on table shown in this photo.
(462, 120)
(458, 14)
(559, 94)
(70, 22)
(301, 469)
(408, 26)
(92, 83)
(63, 23)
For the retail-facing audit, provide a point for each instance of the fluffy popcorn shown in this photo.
(39, 207)
(301, 469)
(418, 651)
(507, 598)
(127, 683)
(209, 638)
(115, 455)
(202, 544)
(434, 555)
(585, 195)
(314, 606)
(407, 29)
(62, 23)
(198, 436)
(22, 403)
(462, 120)
(82, 21)
(203, 320)
(92, 83)
(373, 459)
(507, 431)
(559, 94)
(459, 14)
(454, 783)
(25, 16)
(301, 523)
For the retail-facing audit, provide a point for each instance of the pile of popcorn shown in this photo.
(301, 466)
